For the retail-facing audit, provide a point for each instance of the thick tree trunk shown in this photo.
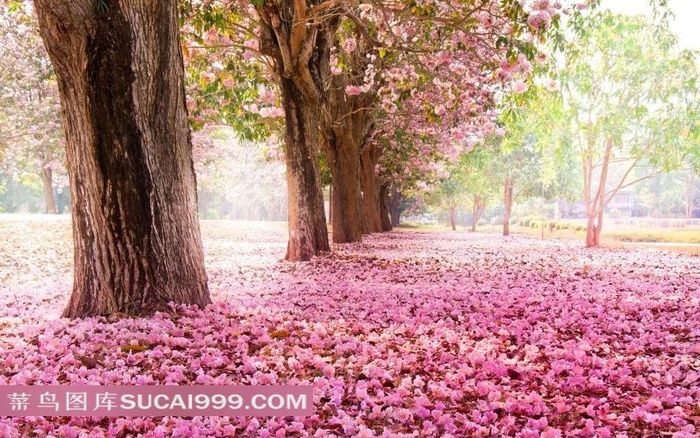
(308, 234)
(453, 221)
(344, 158)
(129, 155)
(508, 203)
(383, 208)
(47, 187)
(370, 191)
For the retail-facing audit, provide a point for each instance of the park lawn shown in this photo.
(685, 240)
(668, 235)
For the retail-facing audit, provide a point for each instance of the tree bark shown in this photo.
(453, 222)
(383, 208)
(129, 154)
(308, 234)
(370, 191)
(395, 204)
(330, 205)
(595, 204)
(593, 230)
(301, 53)
(395, 217)
(344, 160)
(508, 203)
(47, 187)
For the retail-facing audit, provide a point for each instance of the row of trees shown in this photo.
(621, 105)
(378, 94)
(339, 72)
(348, 79)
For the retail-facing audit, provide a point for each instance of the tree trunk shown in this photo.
(330, 205)
(308, 234)
(129, 154)
(383, 208)
(47, 186)
(395, 217)
(395, 204)
(370, 191)
(593, 230)
(508, 203)
(595, 204)
(344, 158)
(453, 222)
(477, 210)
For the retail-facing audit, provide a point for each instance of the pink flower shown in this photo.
(353, 90)
(349, 45)
(519, 87)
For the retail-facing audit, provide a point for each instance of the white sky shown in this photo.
(685, 24)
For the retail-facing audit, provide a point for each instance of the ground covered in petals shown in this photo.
(422, 334)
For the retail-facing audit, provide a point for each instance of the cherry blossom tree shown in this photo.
(31, 137)
(344, 66)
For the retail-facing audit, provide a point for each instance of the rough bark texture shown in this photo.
(308, 235)
(47, 187)
(301, 53)
(345, 168)
(344, 134)
(129, 155)
(383, 208)
(508, 203)
(372, 221)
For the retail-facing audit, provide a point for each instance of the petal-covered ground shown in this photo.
(409, 333)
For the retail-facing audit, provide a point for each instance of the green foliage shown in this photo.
(221, 82)
(624, 80)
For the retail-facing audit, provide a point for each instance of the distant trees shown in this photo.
(631, 103)
(31, 135)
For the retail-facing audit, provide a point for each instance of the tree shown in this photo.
(449, 195)
(339, 64)
(533, 159)
(129, 154)
(30, 133)
(631, 101)
(481, 185)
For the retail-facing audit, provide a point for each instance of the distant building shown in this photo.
(621, 205)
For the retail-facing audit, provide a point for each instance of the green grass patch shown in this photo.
(669, 235)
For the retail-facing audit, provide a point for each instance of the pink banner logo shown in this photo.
(155, 400)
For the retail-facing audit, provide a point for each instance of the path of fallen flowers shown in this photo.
(406, 334)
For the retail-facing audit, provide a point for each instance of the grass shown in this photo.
(683, 235)
(685, 240)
